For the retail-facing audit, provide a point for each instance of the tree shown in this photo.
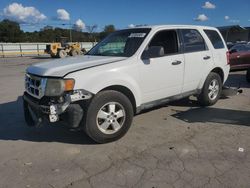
(107, 30)
(10, 31)
(91, 29)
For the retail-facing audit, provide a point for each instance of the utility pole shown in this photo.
(70, 32)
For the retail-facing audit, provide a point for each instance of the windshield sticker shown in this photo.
(137, 35)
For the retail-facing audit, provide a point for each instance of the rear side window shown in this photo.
(193, 41)
(215, 39)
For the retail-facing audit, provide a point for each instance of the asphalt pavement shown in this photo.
(176, 145)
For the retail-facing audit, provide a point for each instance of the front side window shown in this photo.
(215, 39)
(193, 41)
(166, 39)
(122, 43)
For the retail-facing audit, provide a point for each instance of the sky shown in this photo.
(35, 14)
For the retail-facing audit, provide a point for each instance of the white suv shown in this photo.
(129, 71)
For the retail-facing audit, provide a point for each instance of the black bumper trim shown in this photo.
(35, 104)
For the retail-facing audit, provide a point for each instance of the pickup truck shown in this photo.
(129, 71)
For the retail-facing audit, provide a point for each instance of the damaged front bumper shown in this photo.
(67, 108)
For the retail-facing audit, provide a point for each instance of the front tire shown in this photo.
(109, 116)
(248, 75)
(62, 54)
(211, 90)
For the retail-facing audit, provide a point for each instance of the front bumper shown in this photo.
(67, 108)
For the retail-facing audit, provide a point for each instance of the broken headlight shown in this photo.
(56, 87)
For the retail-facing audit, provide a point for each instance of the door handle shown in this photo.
(206, 57)
(176, 62)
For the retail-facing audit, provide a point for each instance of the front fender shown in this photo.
(95, 81)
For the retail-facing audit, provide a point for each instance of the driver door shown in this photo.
(162, 77)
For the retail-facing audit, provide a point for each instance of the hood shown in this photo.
(61, 67)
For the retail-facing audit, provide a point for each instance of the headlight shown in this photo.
(56, 87)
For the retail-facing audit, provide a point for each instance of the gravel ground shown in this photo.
(176, 145)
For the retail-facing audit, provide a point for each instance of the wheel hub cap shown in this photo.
(213, 89)
(110, 118)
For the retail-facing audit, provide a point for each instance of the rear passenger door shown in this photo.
(197, 58)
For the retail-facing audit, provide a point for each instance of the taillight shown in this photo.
(228, 60)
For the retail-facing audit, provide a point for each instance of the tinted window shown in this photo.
(168, 40)
(193, 41)
(215, 39)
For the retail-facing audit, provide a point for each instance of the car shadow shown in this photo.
(185, 102)
(237, 79)
(214, 115)
(13, 127)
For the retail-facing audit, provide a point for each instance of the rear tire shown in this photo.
(109, 116)
(248, 75)
(211, 90)
(73, 53)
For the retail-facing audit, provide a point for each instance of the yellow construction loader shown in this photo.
(63, 49)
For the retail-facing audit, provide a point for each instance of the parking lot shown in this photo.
(176, 145)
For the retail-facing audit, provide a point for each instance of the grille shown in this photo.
(35, 86)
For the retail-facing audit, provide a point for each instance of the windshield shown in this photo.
(122, 43)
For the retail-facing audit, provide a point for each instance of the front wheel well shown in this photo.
(220, 72)
(124, 90)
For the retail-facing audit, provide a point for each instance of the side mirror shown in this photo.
(232, 51)
(153, 52)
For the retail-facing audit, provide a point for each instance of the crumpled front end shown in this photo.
(66, 105)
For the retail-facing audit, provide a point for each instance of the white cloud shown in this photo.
(228, 19)
(131, 26)
(234, 21)
(21, 14)
(80, 24)
(209, 5)
(62, 14)
(201, 18)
